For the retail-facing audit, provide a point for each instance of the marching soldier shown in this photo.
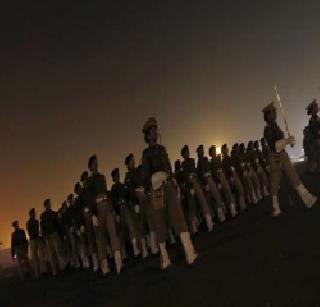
(194, 191)
(33, 228)
(87, 228)
(312, 137)
(167, 208)
(205, 177)
(259, 166)
(49, 229)
(19, 249)
(280, 161)
(134, 181)
(227, 164)
(218, 174)
(103, 218)
(124, 216)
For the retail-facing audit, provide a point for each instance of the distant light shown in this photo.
(218, 149)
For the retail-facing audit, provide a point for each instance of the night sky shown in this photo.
(82, 78)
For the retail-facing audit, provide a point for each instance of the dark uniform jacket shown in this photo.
(18, 239)
(97, 185)
(227, 163)
(134, 179)
(118, 196)
(154, 159)
(203, 167)
(188, 167)
(33, 228)
(314, 127)
(272, 134)
(49, 222)
(216, 164)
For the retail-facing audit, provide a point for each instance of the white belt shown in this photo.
(232, 169)
(157, 179)
(140, 189)
(207, 174)
(101, 198)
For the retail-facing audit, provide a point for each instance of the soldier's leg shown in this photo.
(42, 257)
(275, 177)
(114, 239)
(215, 194)
(92, 246)
(238, 187)
(34, 247)
(255, 183)
(252, 197)
(308, 199)
(58, 251)
(22, 260)
(228, 194)
(204, 206)
(263, 179)
(51, 254)
(177, 221)
(132, 231)
(99, 223)
(191, 210)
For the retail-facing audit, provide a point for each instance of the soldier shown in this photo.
(160, 182)
(228, 167)
(279, 160)
(134, 181)
(258, 163)
(205, 177)
(265, 155)
(103, 218)
(251, 170)
(19, 249)
(312, 137)
(71, 231)
(49, 229)
(194, 192)
(33, 229)
(124, 214)
(218, 174)
(80, 228)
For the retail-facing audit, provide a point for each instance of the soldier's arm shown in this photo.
(146, 171)
(12, 246)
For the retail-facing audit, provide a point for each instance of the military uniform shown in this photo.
(279, 161)
(38, 262)
(218, 174)
(103, 221)
(49, 230)
(19, 249)
(164, 192)
(212, 192)
(124, 214)
(228, 166)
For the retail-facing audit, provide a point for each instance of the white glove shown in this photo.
(86, 210)
(137, 208)
(207, 187)
(95, 221)
(71, 229)
(192, 192)
(78, 233)
(82, 228)
(219, 186)
(118, 218)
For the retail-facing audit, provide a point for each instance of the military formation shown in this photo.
(98, 229)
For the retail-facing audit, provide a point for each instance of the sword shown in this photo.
(282, 111)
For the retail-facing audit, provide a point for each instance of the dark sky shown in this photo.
(81, 78)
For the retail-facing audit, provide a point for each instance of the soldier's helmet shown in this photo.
(128, 158)
(183, 150)
(310, 106)
(269, 108)
(15, 224)
(91, 159)
(151, 122)
(32, 211)
(46, 201)
(211, 149)
(115, 172)
(200, 147)
(84, 175)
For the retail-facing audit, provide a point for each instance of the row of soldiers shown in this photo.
(156, 204)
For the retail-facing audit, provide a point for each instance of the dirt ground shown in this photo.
(253, 260)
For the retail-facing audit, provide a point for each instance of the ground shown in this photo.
(253, 260)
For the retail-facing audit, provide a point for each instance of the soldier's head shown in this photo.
(150, 131)
(130, 162)
(270, 113)
(250, 145)
(224, 149)
(313, 108)
(185, 152)
(47, 204)
(77, 188)
(70, 200)
(32, 213)
(177, 165)
(256, 145)
(242, 148)
(15, 225)
(115, 174)
(200, 151)
(64, 207)
(212, 151)
(93, 164)
(84, 178)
